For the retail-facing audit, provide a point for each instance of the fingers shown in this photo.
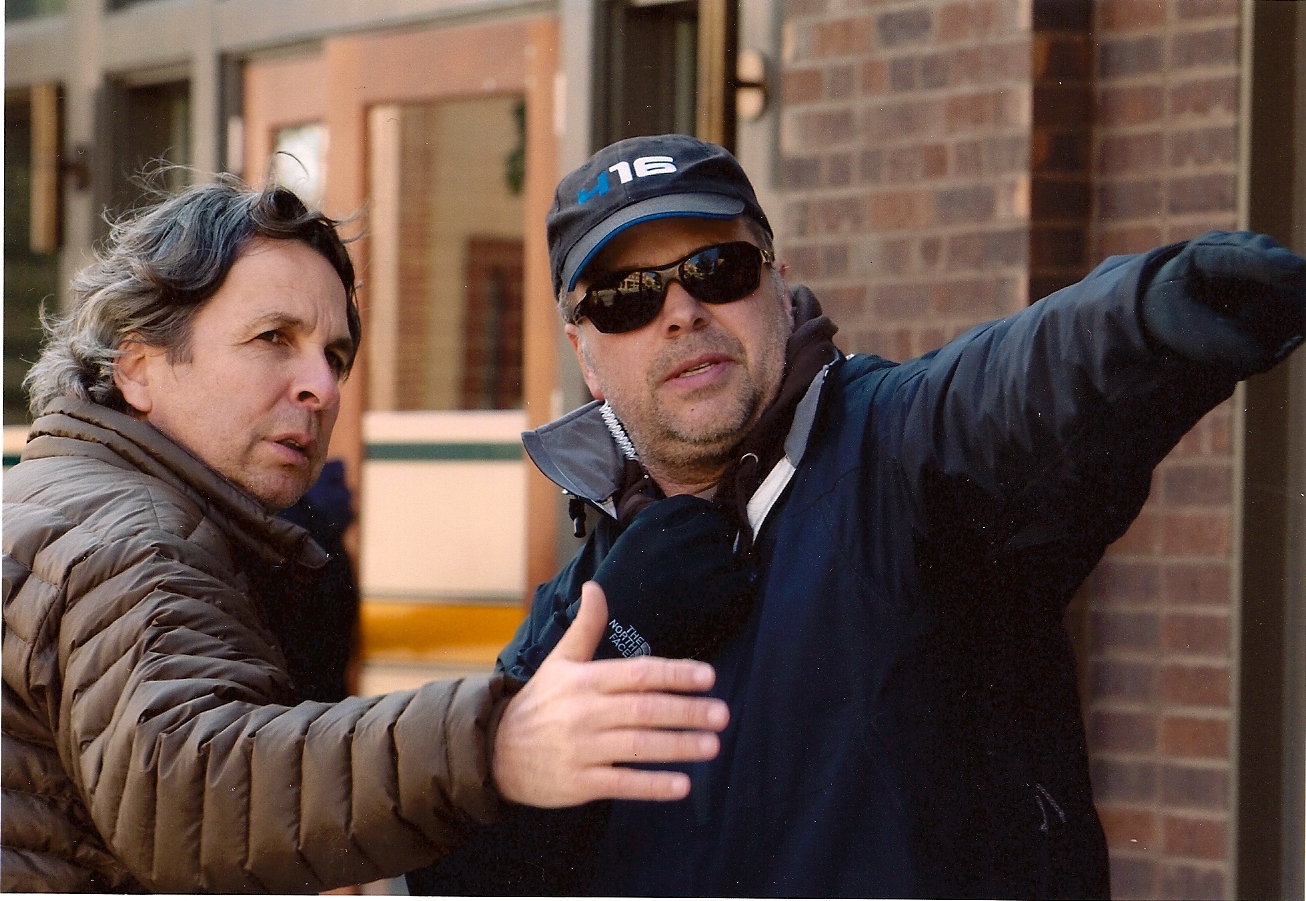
(563, 739)
(603, 780)
(638, 785)
(649, 674)
(656, 711)
(586, 631)
(557, 737)
(1246, 256)
(653, 746)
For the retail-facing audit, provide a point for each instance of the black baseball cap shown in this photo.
(636, 180)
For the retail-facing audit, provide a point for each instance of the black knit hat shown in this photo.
(636, 180)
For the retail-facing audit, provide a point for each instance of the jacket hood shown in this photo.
(72, 427)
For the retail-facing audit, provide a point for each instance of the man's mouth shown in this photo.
(699, 366)
(302, 446)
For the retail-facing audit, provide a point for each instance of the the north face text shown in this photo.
(627, 640)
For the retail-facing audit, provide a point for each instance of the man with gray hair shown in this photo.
(152, 736)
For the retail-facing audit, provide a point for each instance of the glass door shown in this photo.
(442, 142)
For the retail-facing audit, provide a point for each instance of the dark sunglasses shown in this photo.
(624, 301)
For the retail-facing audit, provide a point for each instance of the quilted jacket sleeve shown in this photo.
(169, 711)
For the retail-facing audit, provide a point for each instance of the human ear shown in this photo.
(582, 358)
(132, 371)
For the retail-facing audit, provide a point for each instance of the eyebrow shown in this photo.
(279, 319)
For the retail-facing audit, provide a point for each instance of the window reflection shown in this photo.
(299, 161)
(445, 255)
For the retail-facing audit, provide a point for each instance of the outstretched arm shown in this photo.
(562, 739)
(1048, 423)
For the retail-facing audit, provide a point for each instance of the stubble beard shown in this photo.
(671, 441)
(679, 445)
(676, 440)
(277, 487)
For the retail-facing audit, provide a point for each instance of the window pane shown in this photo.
(651, 69)
(142, 128)
(30, 278)
(299, 162)
(445, 255)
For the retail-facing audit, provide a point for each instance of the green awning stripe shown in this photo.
(504, 452)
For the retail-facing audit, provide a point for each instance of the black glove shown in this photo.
(1231, 298)
(675, 587)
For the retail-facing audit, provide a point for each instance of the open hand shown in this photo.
(560, 739)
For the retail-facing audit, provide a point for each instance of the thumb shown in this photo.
(586, 631)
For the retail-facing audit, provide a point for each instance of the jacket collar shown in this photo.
(578, 454)
(73, 427)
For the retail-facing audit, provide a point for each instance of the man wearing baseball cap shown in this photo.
(874, 556)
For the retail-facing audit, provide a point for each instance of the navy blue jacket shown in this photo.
(904, 713)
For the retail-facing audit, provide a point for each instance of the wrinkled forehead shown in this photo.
(281, 284)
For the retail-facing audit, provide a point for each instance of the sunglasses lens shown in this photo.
(625, 301)
(722, 274)
(623, 304)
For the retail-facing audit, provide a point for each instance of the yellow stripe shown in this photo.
(437, 633)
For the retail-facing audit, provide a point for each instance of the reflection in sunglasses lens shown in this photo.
(624, 301)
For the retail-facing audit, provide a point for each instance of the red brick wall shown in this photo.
(941, 160)
(1159, 703)
(904, 161)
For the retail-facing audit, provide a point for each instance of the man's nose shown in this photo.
(316, 383)
(681, 311)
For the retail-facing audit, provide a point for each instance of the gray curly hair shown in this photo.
(159, 267)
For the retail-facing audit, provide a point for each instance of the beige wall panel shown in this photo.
(444, 529)
(152, 35)
(37, 51)
(250, 24)
(450, 62)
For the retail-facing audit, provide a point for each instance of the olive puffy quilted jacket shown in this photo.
(151, 735)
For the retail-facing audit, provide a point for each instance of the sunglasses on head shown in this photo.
(624, 301)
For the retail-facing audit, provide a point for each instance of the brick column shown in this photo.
(1159, 703)
(904, 165)
(943, 160)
